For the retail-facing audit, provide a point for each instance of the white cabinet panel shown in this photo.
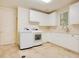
(53, 38)
(74, 14)
(50, 19)
(41, 18)
(44, 19)
(74, 44)
(45, 36)
(53, 17)
(35, 16)
(65, 40)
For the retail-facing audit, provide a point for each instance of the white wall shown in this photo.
(7, 25)
(23, 16)
(74, 29)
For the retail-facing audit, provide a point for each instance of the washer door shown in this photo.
(37, 36)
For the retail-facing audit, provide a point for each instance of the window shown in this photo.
(64, 18)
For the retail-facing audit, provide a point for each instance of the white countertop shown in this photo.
(63, 33)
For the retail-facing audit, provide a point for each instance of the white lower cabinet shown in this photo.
(74, 44)
(45, 36)
(64, 40)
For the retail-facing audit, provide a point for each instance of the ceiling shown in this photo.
(37, 4)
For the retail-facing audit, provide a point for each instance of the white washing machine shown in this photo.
(30, 39)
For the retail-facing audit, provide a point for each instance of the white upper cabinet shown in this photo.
(50, 19)
(53, 17)
(36, 16)
(74, 14)
(22, 18)
(43, 19)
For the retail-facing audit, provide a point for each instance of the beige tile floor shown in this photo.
(47, 50)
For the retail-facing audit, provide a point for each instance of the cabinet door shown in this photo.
(35, 16)
(45, 37)
(22, 18)
(74, 44)
(44, 21)
(49, 19)
(53, 19)
(55, 38)
(65, 40)
(74, 14)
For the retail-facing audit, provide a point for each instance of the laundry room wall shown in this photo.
(7, 25)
